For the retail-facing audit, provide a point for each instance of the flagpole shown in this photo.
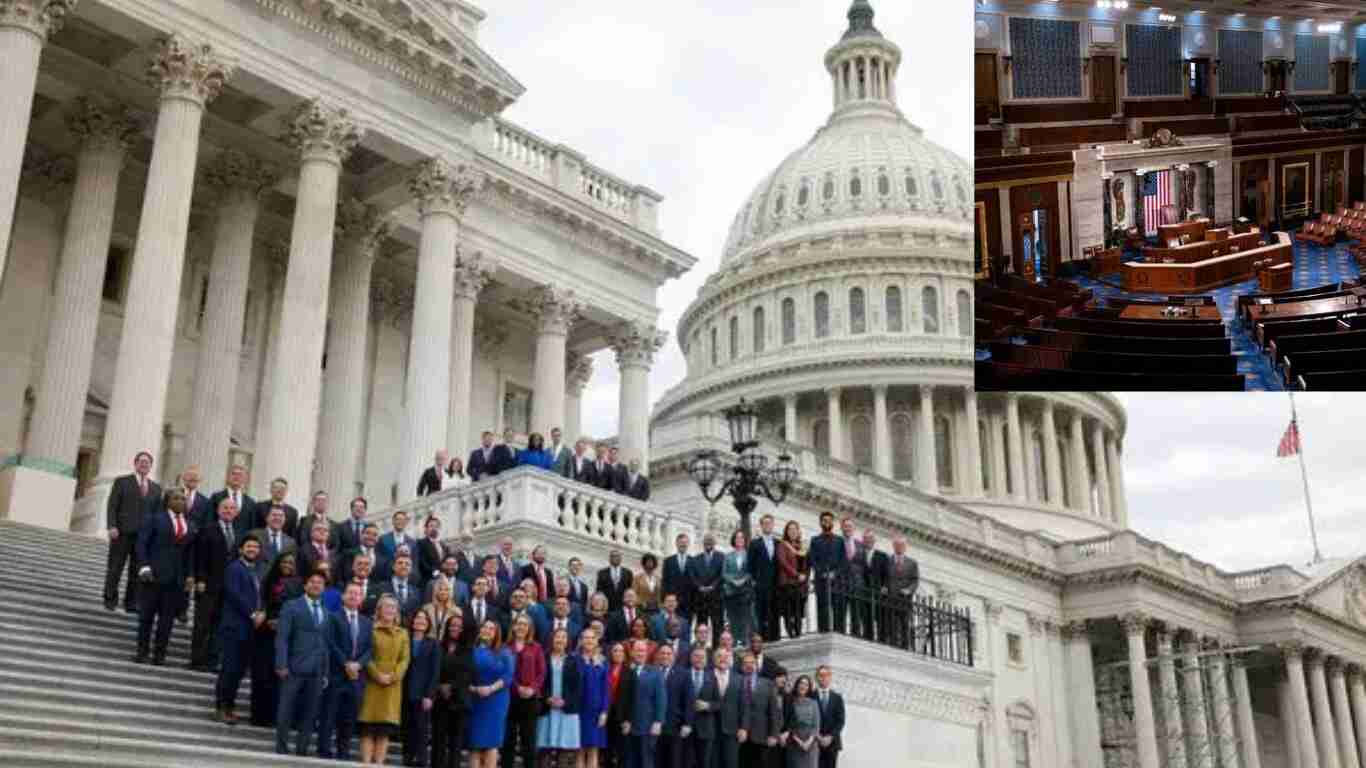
(1304, 475)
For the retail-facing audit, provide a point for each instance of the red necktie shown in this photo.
(540, 576)
(179, 528)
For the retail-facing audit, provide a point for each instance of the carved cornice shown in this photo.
(879, 692)
(39, 17)
(1073, 631)
(440, 188)
(1291, 650)
(322, 132)
(472, 274)
(234, 172)
(636, 343)
(100, 128)
(184, 69)
(1133, 573)
(362, 224)
(553, 309)
(1135, 622)
(1036, 624)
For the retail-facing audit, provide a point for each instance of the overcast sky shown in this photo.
(1203, 476)
(700, 100)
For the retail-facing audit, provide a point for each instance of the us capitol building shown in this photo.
(299, 235)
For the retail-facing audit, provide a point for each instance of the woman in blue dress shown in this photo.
(593, 700)
(557, 731)
(493, 668)
(535, 454)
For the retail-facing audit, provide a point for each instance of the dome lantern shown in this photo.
(863, 64)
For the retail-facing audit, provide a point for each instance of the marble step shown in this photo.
(51, 738)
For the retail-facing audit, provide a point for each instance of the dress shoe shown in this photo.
(229, 716)
(159, 660)
(140, 657)
(108, 606)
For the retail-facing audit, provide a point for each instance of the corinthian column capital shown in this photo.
(321, 131)
(579, 370)
(472, 273)
(40, 17)
(1135, 622)
(439, 187)
(98, 127)
(234, 172)
(362, 224)
(636, 343)
(44, 174)
(183, 69)
(555, 309)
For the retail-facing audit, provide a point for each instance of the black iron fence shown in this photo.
(912, 622)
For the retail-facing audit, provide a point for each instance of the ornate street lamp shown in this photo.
(751, 475)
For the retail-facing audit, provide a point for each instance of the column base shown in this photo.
(36, 496)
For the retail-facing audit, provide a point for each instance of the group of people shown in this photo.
(603, 469)
(413, 637)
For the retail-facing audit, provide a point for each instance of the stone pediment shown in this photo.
(1341, 590)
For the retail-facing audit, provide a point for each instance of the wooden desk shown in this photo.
(1196, 229)
(1201, 250)
(1105, 261)
(1353, 300)
(1154, 312)
(1203, 275)
(1277, 278)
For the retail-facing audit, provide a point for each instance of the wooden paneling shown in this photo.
(1071, 135)
(1248, 104)
(1311, 189)
(1055, 113)
(1029, 197)
(1200, 276)
(1341, 77)
(1188, 127)
(987, 95)
(988, 141)
(1004, 168)
(1244, 146)
(1355, 175)
(1267, 123)
(1103, 81)
(1193, 107)
(991, 199)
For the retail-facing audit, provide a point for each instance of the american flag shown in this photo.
(1290, 441)
(1157, 192)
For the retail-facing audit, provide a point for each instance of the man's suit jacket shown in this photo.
(171, 561)
(728, 708)
(300, 646)
(618, 628)
(427, 559)
(702, 723)
(763, 568)
(604, 475)
(491, 613)
(571, 624)
(262, 510)
(641, 700)
(826, 555)
(341, 649)
(430, 482)
(347, 538)
(764, 715)
(212, 556)
(373, 590)
(562, 461)
(309, 557)
(582, 469)
(379, 569)
(676, 581)
(877, 572)
(246, 511)
(529, 572)
(502, 458)
(640, 489)
(127, 506)
(304, 530)
(832, 719)
(406, 608)
(903, 581)
(241, 598)
(477, 466)
(679, 698)
(388, 546)
(659, 625)
(682, 650)
(768, 667)
(269, 551)
(705, 571)
(508, 575)
(614, 593)
(200, 511)
(578, 592)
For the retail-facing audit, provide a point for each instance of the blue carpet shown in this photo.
(1314, 265)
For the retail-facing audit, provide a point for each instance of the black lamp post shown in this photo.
(750, 476)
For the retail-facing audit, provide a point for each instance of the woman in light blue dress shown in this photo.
(558, 729)
(493, 669)
(737, 587)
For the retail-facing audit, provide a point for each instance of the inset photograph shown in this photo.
(1169, 198)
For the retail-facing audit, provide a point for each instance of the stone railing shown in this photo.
(1129, 548)
(514, 146)
(1267, 582)
(592, 517)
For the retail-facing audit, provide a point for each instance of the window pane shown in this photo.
(822, 312)
(734, 337)
(789, 321)
(901, 446)
(894, 309)
(943, 451)
(758, 330)
(857, 315)
(714, 357)
(929, 301)
(964, 314)
(861, 438)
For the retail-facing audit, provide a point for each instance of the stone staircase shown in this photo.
(69, 693)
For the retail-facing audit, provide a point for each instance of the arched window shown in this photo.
(1004, 437)
(714, 350)
(984, 460)
(902, 449)
(894, 309)
(858, 322)
(964, 314)
(828, 193)
(855, 186)
(884, 185)
(943, 450)
(936, 186)
(1036, 447)
(912, 189)
(1064, 474)
(861, 440)
(778, 204)
(734, 337)
(759, 330)
(804, 193)
(929, 306)
(789, 321)
(821, 308)
(820, 436)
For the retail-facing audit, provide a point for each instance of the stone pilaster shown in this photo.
(1102, 473)
(636, 344)
(1015, 448)
(882, 432)
(188, 75)
(578, 372)
(790, 429)
(1052, 465)
(836, 423)
(360, 229)
(1080, 474)
(472, 273)
(239, 180)
(927, 475)
(972, 484)
(324, 136)
(1342, 716)
(554, 311)
(1145, 729)
(24, 27)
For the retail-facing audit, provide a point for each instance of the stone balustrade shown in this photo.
(1129, 548)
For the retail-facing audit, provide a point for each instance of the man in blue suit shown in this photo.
(763, 566)
(504, 454)
(401, 586)
(301, 663)
(641, 707)
(697, 702)
(666, 744)
(480, 462)
(391, 542)
(349, 644)
(827, 562)
(165, 550)
(704, 579)
(242, 614)
(563, 618)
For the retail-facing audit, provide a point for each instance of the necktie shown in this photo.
(142, 485)
(227, 535)
(317, 613)
(479, 611)
(825, 700)
(357, 529)
(351, 618)
(748, 690)
(179, 527)
(630, 617)
(696, 680)
(402, 593)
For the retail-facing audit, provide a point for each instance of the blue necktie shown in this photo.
(317, 614)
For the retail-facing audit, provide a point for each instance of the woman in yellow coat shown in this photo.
(381, 708)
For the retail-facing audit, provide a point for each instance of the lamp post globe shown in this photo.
(750, 475)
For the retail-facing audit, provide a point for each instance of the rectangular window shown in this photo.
(1014, 648)
(1046, 58)
(114, 267)
(1019, 747)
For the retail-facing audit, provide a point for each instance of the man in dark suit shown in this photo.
(504, 454)
(480, 462)
(666, 746)
(401, 586)
(676, 574)
(370, 587)
(348, 637)
(128, 501)
(520, 605)
(704, 581)
(826, 558)
(641, 707)
(301, 663)
(561, 455)
(561, 618)
(852, 601)
(762, 563)
(674, 637)
(349, 532)
(579, 591)
(317, 511)
(619, 621)
(577, 465)
(433, 475)
(832, 718)
(378, 567)
(698, 700)
(482, 608)
(274, 540)
(242, 614)
(165, 552)
(398, 538)
(215, 550)
(614, 580)
(197, 506)
(903, 579)
(631, 483)
(761, 713)
(498, 590)
(509, 569)
(430, 552)
(279, 489)
(609, 473)
(314, 549)
(539, 574)
(728, 710)
(603, 472)
(763, 663)
(875, 577)
(237, 488)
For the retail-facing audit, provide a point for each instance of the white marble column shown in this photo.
(1325, 735)
(1299, 701)
(1015, 447)
(324, 135)
(636, 344)
(1080, 474)
(1342, 716)
(55, 430)
(972, 484)
(341, 430)
(554, 311)
(998, 454)
(790, 418)
(1199, 748)
(927, 476)
(1145, 729)
(1031, 493)
(1115, 468)
(1081, 695)
(24, 27)
(239, 180)
(836, 419)
(1224, 738)
(1052, 468)
(1106, 511)
(472, 273)
(1357, 692)
(1247, 723)
(1174, 741)
(441, 192)
(1290, 727)
(578, 372)
(882, 432)
(188, 75)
